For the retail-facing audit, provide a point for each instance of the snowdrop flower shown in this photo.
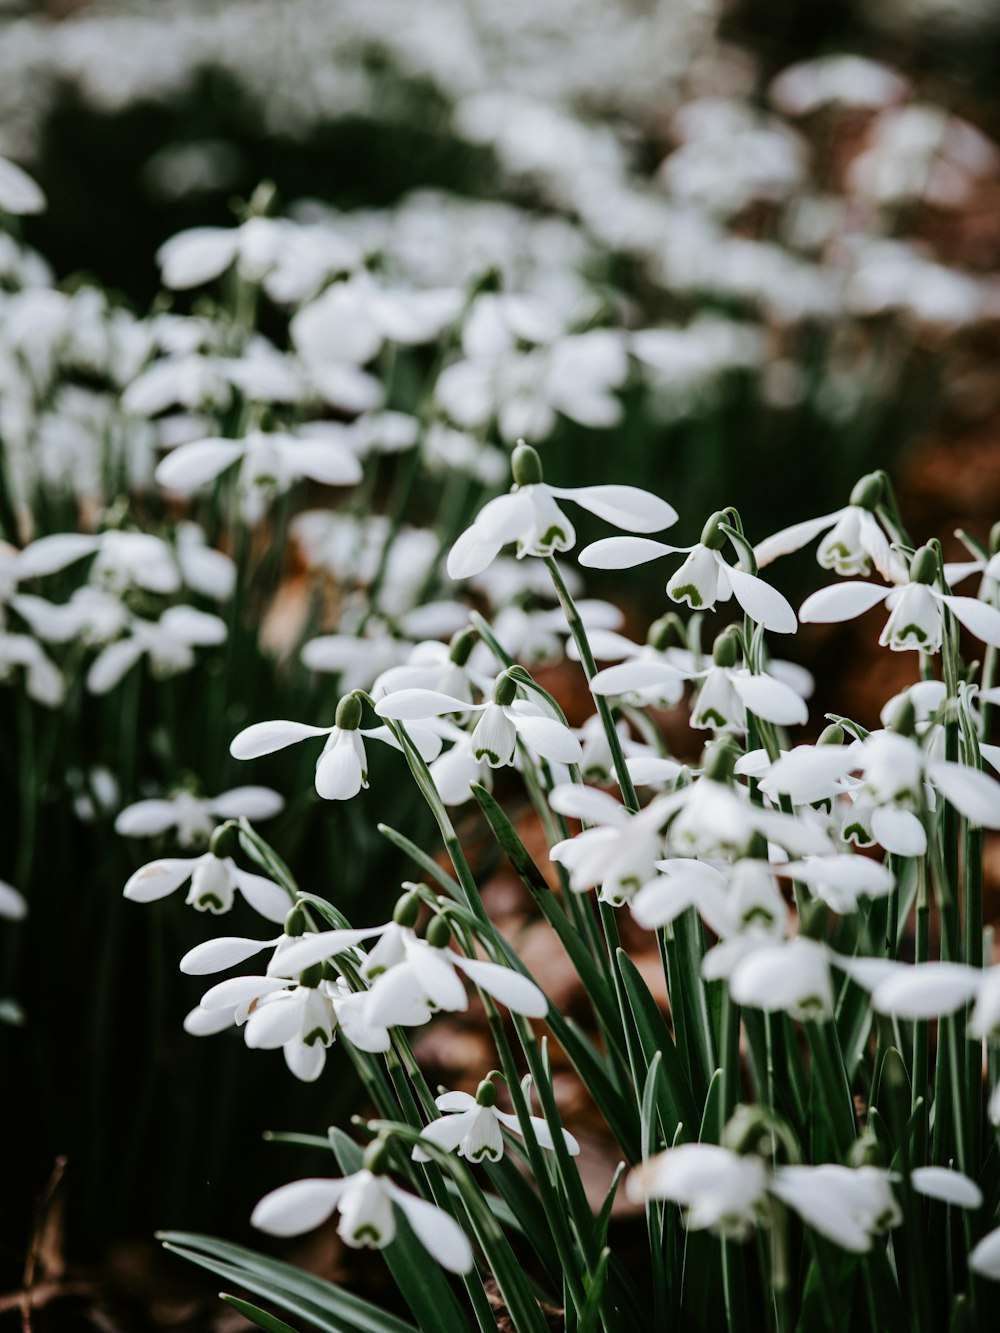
(197, 256)
(413, 978)
(123, 559)
(530, 517)
(842, 879)
(18, 192)
(168, 643)
(718, 1189)
(853, 543)
(194, 817)
(703, 579)
(269, 464)
(502, 721)
(807, 773)
(471, 1126)
(849, 1206)
(214, 881)
(43, 680)
(792, 977)
(985, 1257)
(342, 767)
(12, 904)
(618, 852)
(204, 570)
(916, 618)
(439, 667)
(913, 990)
(367, 1201)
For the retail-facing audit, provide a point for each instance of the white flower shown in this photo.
(791, 977)
(366, 1202)
(269, 465)
(124, 559)
(530, 517)
(342, 767)
(854, 542)
(194, 817)
(702, 580)
(502, 720)
(472, 1129)
(846, 1206)
(913, 990)
(169, 644)
(618, 852)
(43, 680)
(717, 1189)
(214, 881)
(915, 611)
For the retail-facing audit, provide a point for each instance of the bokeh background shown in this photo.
(788, 213)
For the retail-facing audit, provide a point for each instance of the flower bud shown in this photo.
(924, 565)
(462, 645)
(867, 1151)
(720, 761)
(438, 933)
(525, 465)
(748, 1130)
(726, 651)
(504, 690)
(995, 539)
(376, 1157)
(664, 632)
(831, 735)
(903, 716)
(867, 492)
(225, 840)
(295, 921)
(407, 910)
(486, 1093)
(349, 713)
(311, 976)
(712, 535)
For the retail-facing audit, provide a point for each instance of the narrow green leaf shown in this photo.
(425, 862)
(258, 1317)
(655, 1040)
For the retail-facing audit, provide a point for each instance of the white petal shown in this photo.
(841, 601)
(195, 464)
(520, 995)
(247, 802)
(207, 1022)
(985, 1258)
(305, 1062)
(272, 1024)
(973, 794)
(761, 602)
(926, 990)
(340, 769)
(48, 555)
(406, 705)
(266, 737)
(446, 1133)
(310, 949)
(263, 895)
(648, 770)
(19, 194)
(547, 737)
(587, 803)
(439, 1234)
(622, 552)
(192, 626)
(12, 904)
(938, 1182)
(111, 664)
(770, 699)
(236, 992)
(542, 1132)
(982, 620)
(898, 831)
(793, 538)
(634, 676)
(196, 256)
(329, 463)
(159, 878)
(145, 819)
(626, 507)
(455, 1101)
(301, 1206)
(216, 955)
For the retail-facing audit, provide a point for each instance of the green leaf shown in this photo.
(258, 1317)
(327, 1307)
(595, 1283)
(425, 862)
(677, 1102)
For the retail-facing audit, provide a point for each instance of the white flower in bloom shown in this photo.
(702, 580)
(411, 978)
(342, 767)
(18, 192)
(168, 643)
(915, 613)
(530, 517)
(123, 559)
(214, 881)
(854, 542)
(269, 465)
(366, 1203)
(194, 817)
(618, 853)
(724, 698)
(913, 990)
(500, 724)
(717, 1189)
(43, 680)
(791, 977)
(849, 1207)
(473, 1130)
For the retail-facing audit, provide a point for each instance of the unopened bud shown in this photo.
(407, 910)
(832, 735)
(726, 651)
(720, 761)
(526, 466)
(225, 840)
(867, 492)
(376, 1157)
(903, 716)
(712, 535)
(924, 565)
(462, 645)
(486, 1093)
(349, 713)
(295, 921)
(504, 690)
(438, 933)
